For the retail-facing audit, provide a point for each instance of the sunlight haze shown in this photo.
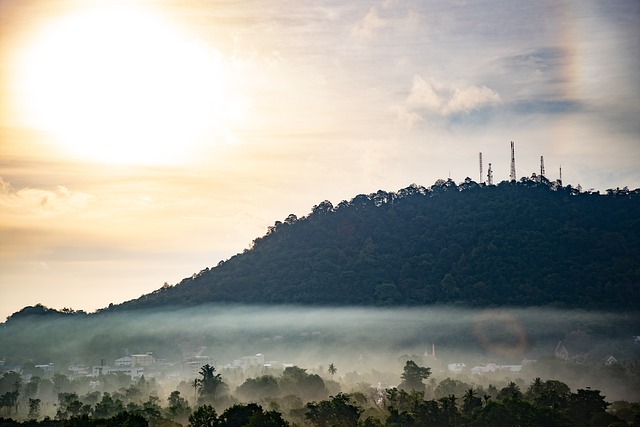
(141, 142)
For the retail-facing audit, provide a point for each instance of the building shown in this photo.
(124, 361)
(247, 362)
(492, 367)
(46, 368)
(146, 359)
(133, 372)
(456, 368)
(191, 366)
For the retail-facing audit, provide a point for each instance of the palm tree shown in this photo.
(332, 370)
(210, 381)
(470, 401)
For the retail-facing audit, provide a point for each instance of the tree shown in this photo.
(552, 394)
(449, 409)
(511, 391)
(584, 404)
(178, 408)
(267, 419)
(107, 407)
(470, 401)
(238, 415)
(413, 375)
(151, 409)
(68, 406)
(259, 388)
(296, 381)
(204, 416)
(34, 408)
(332, 370)
(9, 400)
(210, 383)
(338, 411)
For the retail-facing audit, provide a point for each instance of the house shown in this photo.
(456, 367)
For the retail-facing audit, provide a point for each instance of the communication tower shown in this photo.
(541, 167)
(481, 177)
(512, 174)
(490, 176)
(560, 174)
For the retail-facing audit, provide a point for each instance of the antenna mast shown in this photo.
(560, 174)
(481, 177)
(541, 167)
(512, 174)
(490, 176)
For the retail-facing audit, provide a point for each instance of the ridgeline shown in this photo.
(526, 243)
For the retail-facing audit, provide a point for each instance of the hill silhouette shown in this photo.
(526, 243)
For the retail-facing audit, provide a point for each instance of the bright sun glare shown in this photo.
(123, 85)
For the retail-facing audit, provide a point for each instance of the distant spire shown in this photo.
(481, 177)
(433, 352)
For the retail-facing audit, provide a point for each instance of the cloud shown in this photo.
(370, 25)
(35, 202)
(445, 99)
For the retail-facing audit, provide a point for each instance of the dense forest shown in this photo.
(526, 243)
(295, 397)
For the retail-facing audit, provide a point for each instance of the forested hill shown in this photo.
(524, 243)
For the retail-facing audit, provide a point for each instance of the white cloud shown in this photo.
(446, 99)
(37, 202)
(472, 98)
(370, 25)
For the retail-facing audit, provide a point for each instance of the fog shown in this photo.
(366, 345)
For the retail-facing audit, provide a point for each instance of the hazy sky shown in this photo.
(141, 142)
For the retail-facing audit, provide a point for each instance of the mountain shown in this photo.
(526, 243)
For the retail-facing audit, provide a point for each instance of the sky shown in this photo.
(143, 141)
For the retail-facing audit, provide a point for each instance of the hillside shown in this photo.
(519, 244)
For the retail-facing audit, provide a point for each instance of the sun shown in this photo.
(121, 84)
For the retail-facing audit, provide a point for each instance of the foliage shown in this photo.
(524, 243)
(413, 375)
(545, 403)
(204, 416)
(338, 411)
(211, 384)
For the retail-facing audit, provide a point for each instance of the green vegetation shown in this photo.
(541, 403)
(528, 243)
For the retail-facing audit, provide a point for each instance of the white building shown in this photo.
(133, 372)
(456, 368)
(492, 367)
(46, 368)
(247, 362)
(191, 367)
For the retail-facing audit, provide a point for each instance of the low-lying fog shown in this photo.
(366, 344)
